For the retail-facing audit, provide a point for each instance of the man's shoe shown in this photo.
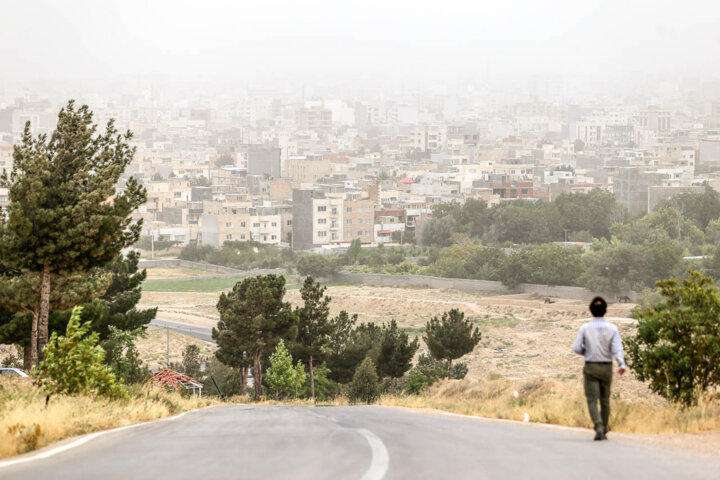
(599, 434)
(605, 431)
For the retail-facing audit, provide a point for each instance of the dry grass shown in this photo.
(558, 403)
(26, 423)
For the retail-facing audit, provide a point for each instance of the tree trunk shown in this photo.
(34, 339)
(257, 386)
(44, 313)
(450, 368)
(27, 357)
(244, 378)
(312, 381)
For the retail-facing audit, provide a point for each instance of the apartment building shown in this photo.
(266, 226)
(317, 219)
(222, 222)
(307, 169)
(359, 219)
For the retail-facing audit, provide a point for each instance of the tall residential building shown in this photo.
(317, 219)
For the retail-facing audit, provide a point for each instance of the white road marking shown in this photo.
(380, 461)
(84, 439)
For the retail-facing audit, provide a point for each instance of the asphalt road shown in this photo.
(368, 443)
(202, 333)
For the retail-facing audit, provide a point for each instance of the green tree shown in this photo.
(253, 316)
(361, 342)
(553, 264)
(677, 344)
(365, 387)
(314, 329)
(123, 356)
(396, 352)
(353, 253)
(315, 265)
(191, 362)
(450, 336)
(282, 376)
(64, 214)
(74, 364)
(20, 294)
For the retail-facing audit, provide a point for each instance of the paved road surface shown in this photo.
(369, 443)
(203, 333)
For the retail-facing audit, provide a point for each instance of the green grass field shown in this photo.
(208, 284)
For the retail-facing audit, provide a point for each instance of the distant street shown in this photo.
(202, 333)
(369, 443)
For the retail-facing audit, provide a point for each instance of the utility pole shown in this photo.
(566, 231)
(167, 346)
(152, 245)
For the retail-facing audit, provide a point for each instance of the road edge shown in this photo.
(66, 444)
(630, 438)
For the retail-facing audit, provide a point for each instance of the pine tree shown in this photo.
(314, 327)
(396, 352)
(364, 386)
(64, 215)
(253, 316)
(450, 337)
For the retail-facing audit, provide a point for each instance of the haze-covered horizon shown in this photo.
(369, 45)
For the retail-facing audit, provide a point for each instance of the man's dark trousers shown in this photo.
(597, 380)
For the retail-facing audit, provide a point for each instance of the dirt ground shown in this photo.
(523, 337)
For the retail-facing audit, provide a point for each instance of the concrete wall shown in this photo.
(578, 293)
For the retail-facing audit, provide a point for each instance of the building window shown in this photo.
(273, 237)
(289, 222)
(242, 224)
(242, 236)
(334, 211)
(360, 232)
(322, 208)
(322, 221)
(322, 234)
(228, 224)
(349, 210)
(274, 224)
(228, 236)
(349, 221)
(256, 225)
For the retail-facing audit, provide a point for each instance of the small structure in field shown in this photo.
(169, 379)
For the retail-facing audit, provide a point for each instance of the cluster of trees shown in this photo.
(514, 242)
(525, 222)
(61, 238)
(258, 330)
(240, 255)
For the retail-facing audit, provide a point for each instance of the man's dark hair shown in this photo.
(598, 307)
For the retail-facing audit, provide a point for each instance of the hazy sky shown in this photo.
(339, 39)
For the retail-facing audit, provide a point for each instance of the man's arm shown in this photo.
(579, 345)
(616, 349)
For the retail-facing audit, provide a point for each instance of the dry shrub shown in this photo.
(27, 423)
(547, 401)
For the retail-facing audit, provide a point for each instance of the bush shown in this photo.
(319, 266)
(677, 344)
(416, 382)
(459, 371)
(74, 363)
(365, 387)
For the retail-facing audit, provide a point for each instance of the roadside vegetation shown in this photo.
(29, 422)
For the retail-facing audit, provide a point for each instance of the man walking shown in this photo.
(599, 342)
